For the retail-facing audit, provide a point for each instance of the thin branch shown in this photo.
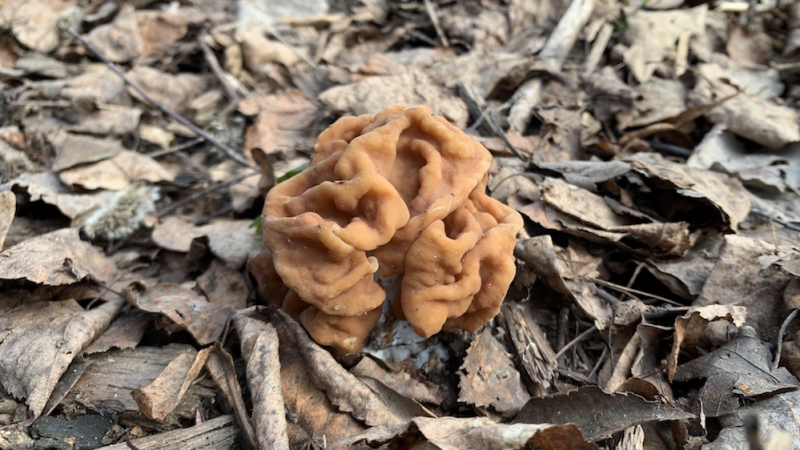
(785, 223)
(199, 194)
(161, 107)
(176, 148)
(499, 131)
(577, 339)
(436, 25)
(627, 290)
(781, 332)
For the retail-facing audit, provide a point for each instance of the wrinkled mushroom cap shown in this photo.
(402, 192)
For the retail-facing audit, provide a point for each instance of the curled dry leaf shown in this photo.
(690, 326)
(777, 419)
(160, 397)
(490, 378)
(203, 320)
(35, 22)
(220, 367)
(398, 378)
(46, 187)
(740, 369)
(597, 414)
(450, 433)
(43, 338)
(260, 351)
(637, 370)
(723, 192)
(55, 259)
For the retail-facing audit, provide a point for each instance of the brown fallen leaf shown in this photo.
(597, 414)
(160, 397)
(124, 332)
(159, 30)
(119, 40)
(637, 370)
(690, 326)
(450, 433)
(43, 338)
(489, 377)
(220, 367)
(233, 241)
(73, 149)
(745, 276)
(117, 172)
(55, 259)
(8, 205)
(203, 320)
(411, 88)
(260, 352)
(399, 379)
(35, 22)
(116, 120)
(283, 121)
(224, 286)
(174, 91)
(740, 369)
(46, 187)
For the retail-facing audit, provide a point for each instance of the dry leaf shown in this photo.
(450, 433)
(55, 259)
(47, 187)
(399, 379)
(490, 378)
(233, 241)
(43, 338)
(160, 397)
(116, 121)
(116, 172)
(283, 121)
(597, 414)
(411, 88)
(690, 326)
(260, 352)
(8, 205)
(119, 40)
(205, 321)
(73, 149)
(35, 22)
(220, 367)
(224, 286)
(124, 332)
(174, 91)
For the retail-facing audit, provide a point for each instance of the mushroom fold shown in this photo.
(403, 192)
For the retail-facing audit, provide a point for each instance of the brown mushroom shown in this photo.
(403, 192)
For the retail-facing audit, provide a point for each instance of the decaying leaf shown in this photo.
(490, 378)
(260, 351)
(450, 433)
(119, 40)
(738, 370)
(597, 414)
(223, 286)
(282, 122)
(398, 378)
(55, 259)
(43, 338)
(690, 326)
(205, 321)
(124, 332)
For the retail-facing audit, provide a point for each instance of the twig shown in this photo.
(161, 107)
(781, 332)
(577, 339)
(499, 131)
(436, 25)
(234, 93)
(197, 195)
(177, 148)
(767, 215)
(626, 290)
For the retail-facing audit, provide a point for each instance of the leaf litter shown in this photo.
(652, 148)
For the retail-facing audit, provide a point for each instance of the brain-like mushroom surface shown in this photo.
(403, 192)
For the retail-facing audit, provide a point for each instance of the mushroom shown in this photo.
(403, 192)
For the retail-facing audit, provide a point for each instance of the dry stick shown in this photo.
(177, 148)
(626, 290)
(577, 339)
(765, 214)
(197, 195)
(436, 25)
(163, 108)
(555, 51)
(781, 332)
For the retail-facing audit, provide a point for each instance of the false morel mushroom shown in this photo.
(403, 192)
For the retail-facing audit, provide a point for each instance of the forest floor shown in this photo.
(652, 148)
